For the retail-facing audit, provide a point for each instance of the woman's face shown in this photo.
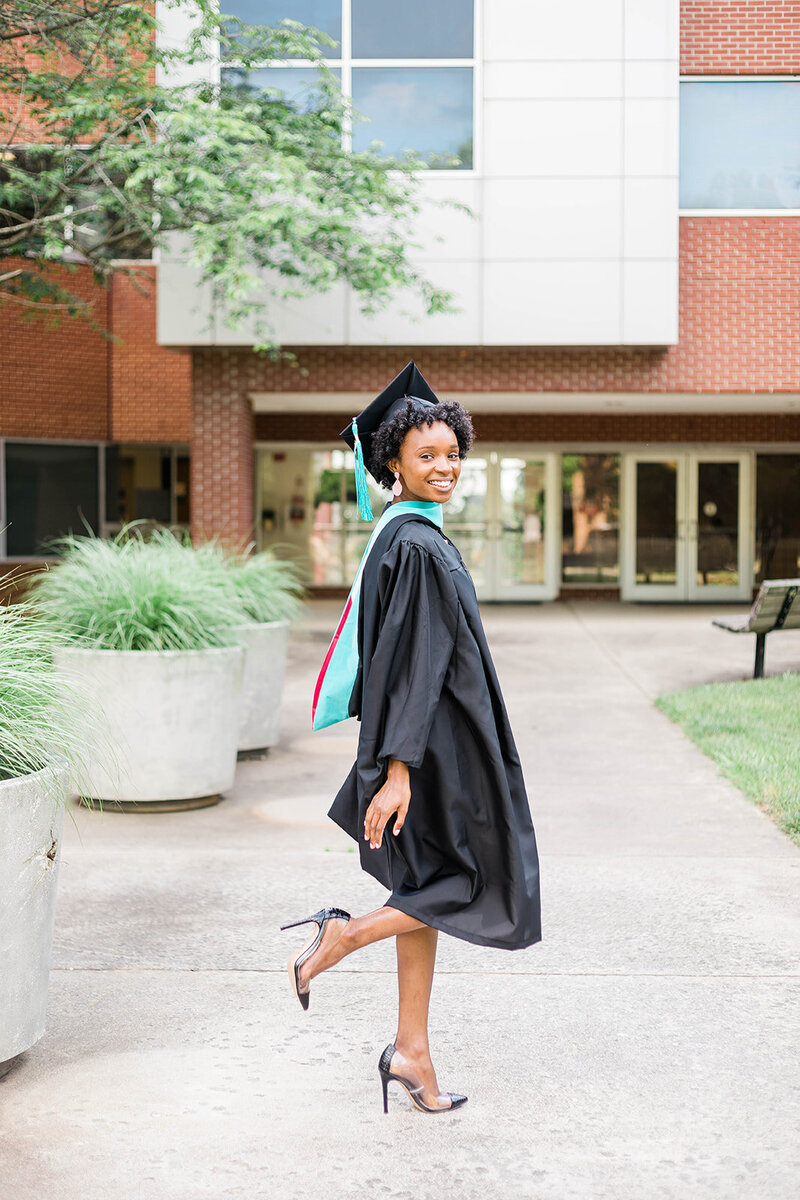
(429, 463)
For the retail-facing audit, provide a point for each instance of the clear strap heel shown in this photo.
(320, 919)
(388, 1076)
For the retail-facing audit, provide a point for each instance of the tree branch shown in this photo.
(10, 35)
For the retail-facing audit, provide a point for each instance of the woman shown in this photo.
(436, 756)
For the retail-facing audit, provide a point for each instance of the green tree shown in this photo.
(106, 154)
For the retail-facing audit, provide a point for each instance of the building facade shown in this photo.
(626, 335)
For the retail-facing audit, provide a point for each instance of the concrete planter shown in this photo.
(266, 647)
(31, 817)
(163, 724)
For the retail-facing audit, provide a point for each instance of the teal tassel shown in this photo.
(362, 491)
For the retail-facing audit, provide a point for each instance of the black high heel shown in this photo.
(388, 1076)
(321, 919)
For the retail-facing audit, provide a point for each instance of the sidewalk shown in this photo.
(646, 1050)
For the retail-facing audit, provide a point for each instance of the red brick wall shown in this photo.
(151, 386)
(222, 462)
(54, 380)
(739, 332)
(69, 381)
(740, 37)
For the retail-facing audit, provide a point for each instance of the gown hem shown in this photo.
(477, 939)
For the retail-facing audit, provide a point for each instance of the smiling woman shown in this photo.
(437, 767)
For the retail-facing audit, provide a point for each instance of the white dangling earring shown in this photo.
(397, 486)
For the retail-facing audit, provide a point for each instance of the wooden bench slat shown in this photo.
(776, 607)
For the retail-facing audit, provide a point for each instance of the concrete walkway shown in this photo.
(646, 1050)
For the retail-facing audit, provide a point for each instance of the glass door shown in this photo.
(503, 518)
(524, 539)
(686, 521)
(719, 527)
(466, 519)
(654, 552)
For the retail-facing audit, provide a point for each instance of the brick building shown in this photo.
(627, 339)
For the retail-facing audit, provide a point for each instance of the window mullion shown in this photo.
(347, 68)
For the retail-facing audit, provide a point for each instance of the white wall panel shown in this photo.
(542, 29)
(404, 322)
(651, 303)
(575, 194)
(653, 80)
(651, 29)
(552, 218)
(177, 22)
(183, 306)
(553, 137)
(552, 80)
(651, 218)
(442, 232)
(651, 137)
(317, 320)
(551, 303)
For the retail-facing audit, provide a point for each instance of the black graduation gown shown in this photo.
(465, 861)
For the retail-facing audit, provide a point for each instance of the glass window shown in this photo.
(740, 144)
(146, 483)
(590, 518)
(50, 490)
(717, 519)
(322, 14)
(414, 29)
(309, 511)
(466, 517)
(656, 522)
(522, 515)
(777, 516)
(338, 538)
(424, 109)
(297, 85)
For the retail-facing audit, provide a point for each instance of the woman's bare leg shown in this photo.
(416, 958)
(342, 938)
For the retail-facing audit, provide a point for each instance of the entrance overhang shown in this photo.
(548, 402)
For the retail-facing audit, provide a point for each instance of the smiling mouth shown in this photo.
(442, 485)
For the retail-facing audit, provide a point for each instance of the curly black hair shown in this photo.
(388, 439)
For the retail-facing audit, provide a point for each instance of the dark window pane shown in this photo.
(777, 516)
(740, 145)
(424, 109)
(112, 484)
(413, 29)
(296, 85)
(140, 486)
(656, 521)
(51, 490)
(718, 523)
(322, 14)
(182, 489)
(590, 518)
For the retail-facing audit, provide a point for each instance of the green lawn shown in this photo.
(752, 730)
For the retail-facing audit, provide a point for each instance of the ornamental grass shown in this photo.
(137, 592)
(269, 588)
(37, 728)
(150, 589)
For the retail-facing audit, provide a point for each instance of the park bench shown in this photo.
(777, 606)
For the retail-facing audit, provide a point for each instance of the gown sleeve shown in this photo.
(404, 678)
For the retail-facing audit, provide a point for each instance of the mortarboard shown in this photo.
(410, 384)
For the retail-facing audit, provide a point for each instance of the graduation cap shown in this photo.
(410, 384)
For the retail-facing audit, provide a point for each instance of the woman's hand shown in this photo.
(393, 797)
